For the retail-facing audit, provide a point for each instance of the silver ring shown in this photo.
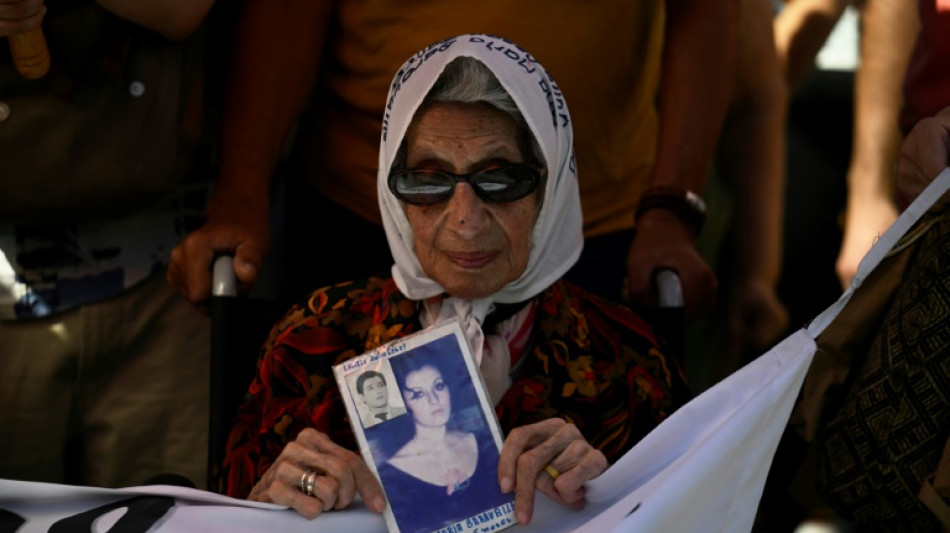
(306, 482)
(311, 477)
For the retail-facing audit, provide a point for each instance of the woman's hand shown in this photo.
(341, 473)
(528, 449)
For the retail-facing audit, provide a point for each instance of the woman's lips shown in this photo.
(471, 259)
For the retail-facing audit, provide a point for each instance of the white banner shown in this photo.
(703, 469)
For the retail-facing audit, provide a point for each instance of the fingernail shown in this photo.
(522, 517)
(378, 504)
(506, 484)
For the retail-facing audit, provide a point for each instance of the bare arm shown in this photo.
(753, 162)
(889, 29)
(801, 29)
(20, 16)
(699, 61)
(279, 44)
(175, 19)
(277, 49)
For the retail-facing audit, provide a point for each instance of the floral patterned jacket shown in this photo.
(591, 362)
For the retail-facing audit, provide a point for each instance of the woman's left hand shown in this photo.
(554, 442)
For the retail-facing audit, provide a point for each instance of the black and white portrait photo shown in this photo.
(378, 402)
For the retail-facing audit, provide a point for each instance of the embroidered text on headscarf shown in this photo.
(498, 44)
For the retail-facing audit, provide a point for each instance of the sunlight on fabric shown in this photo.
(59, 331)
(10, 290)
(818, 527)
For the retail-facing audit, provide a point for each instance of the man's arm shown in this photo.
(752, 161)
(699, 62)
(175, 19)
(889, 29)
(801, 29)
(20, 16)
(277, 50)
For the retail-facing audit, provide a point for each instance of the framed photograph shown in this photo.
(426, 428)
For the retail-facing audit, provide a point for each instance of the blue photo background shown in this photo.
(420, 507)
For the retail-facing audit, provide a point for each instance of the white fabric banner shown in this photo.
(702, 470)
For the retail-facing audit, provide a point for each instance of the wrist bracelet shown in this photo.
(684, 203)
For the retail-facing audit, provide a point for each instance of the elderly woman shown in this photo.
(478, 194)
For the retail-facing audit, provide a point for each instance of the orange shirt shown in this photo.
(604, 54)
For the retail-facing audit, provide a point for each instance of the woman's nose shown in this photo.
(466, 211)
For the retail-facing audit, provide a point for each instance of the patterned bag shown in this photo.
(887, 437)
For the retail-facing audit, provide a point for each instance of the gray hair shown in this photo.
(467, 80)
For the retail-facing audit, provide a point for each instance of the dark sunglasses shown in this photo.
(495, 184)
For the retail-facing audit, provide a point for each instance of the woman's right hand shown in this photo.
(553, 442)
(341, 474)
(20, 16)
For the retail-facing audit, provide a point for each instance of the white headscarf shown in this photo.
(557, 239)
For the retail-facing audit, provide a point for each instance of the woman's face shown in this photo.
(470, 247)
(427, 396)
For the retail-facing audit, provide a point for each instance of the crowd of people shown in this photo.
(430, 170)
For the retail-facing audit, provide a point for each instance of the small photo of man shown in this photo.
(376, 404)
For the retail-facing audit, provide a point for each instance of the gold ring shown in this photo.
(551, 471)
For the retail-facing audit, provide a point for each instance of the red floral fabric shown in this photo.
(591, 362)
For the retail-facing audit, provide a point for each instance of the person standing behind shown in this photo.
(744, 239)
(103, 368)
(888, 31)
(902, 80)
(679, 54)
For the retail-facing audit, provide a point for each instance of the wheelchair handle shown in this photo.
(668, 288)
(224, 283)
